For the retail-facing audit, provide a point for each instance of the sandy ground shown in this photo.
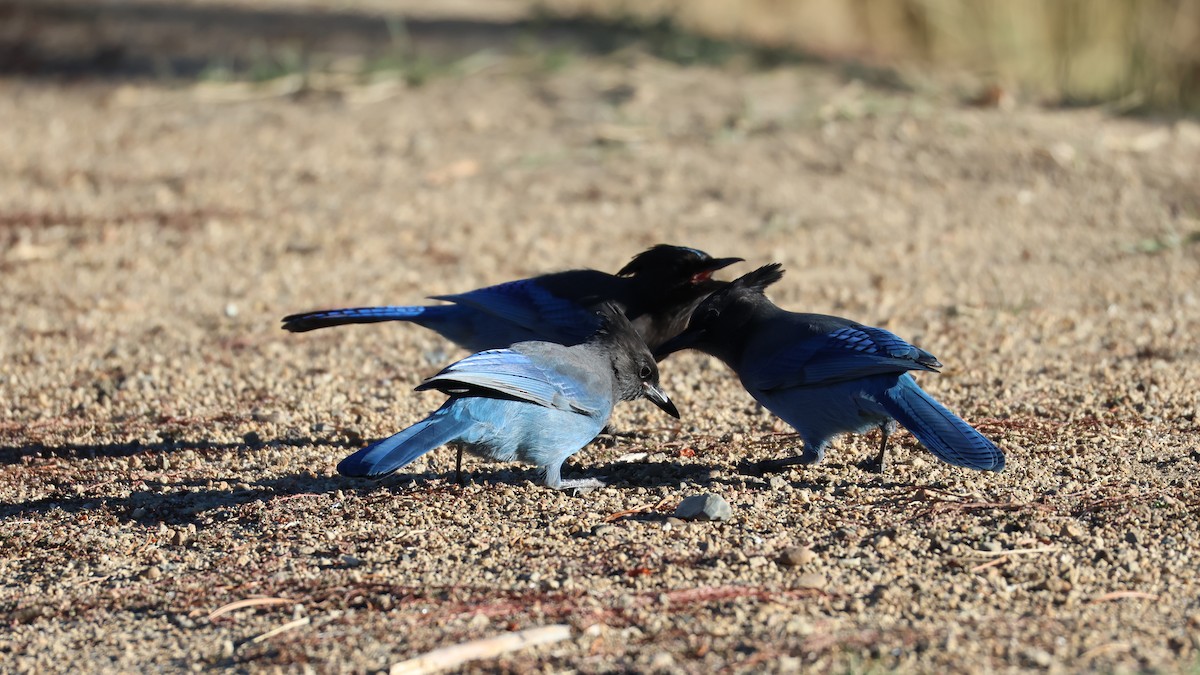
(165, 449)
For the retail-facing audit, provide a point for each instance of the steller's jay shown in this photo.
(825, 375)
(536, 402)
(657, 290)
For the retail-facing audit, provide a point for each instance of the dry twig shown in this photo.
(991, 563)
(248, 602)
(1120, 595)
(302, 621)
(1016, 551)
(636, 510)
(486, 648)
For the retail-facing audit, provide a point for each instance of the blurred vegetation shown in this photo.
(1135, 54)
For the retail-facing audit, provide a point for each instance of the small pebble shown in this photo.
(796, 556)
(704, 507)
(1071, 530)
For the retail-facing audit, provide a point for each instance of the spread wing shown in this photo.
(530, 305)
(840, 353)
(504, 373)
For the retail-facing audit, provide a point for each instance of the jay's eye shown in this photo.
(644, 373)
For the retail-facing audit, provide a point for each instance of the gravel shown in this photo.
(162, 456)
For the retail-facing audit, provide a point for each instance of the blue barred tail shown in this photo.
(392, 453)
(300, 323)
(941, 431)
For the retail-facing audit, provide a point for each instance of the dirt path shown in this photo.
(165, 449)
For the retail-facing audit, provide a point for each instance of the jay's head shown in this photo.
(719, 321)
(668, 266)
(634, 367)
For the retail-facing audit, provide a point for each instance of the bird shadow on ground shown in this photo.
(158, 496)
(621, 475)
(182, 503)
(20, 454)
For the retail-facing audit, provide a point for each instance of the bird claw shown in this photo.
(784, 463)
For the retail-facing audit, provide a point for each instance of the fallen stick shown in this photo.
(486, 648)
(302, 621)
(636, 510)
(249, 602)
(1015, 551)
(1120, 595)
(993, 563)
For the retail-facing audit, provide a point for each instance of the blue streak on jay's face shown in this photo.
(535, 402)
(657, 290)
(826, 375)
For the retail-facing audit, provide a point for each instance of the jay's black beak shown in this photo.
(658, 398)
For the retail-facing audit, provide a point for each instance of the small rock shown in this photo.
(1039, 657)
(789, 664)
(179, 537)
(152, 573)
(138, 513)
(350, 561)
(182, 621)
(28, 614)
(662, 662)
(603, 530)
(1058, 585)
(778, 483)
(252, 439)
(270, 416)
(704, 507)
(796, 556)
(1071, 530)
(811, 580)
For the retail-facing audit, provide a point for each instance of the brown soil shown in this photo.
(165, 449)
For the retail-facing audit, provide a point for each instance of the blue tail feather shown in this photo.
(394, 452)
(941, 431)
(300, 323)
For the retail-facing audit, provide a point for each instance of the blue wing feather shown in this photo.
(847, 352)
(528, 304)
(516, 375)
